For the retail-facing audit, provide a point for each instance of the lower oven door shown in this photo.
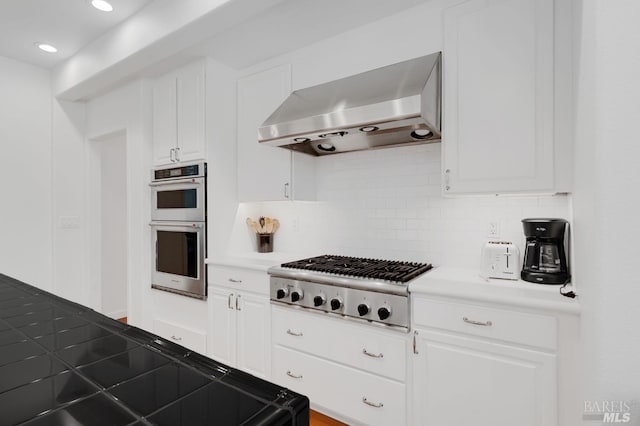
(179, 258)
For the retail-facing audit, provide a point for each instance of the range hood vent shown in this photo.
(394, 105)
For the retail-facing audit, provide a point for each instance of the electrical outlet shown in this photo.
(69, 222)
(493, 231)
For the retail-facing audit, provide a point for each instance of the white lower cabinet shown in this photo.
(193, 339)
(474, 371)
(351, 371)
(240, 319)
(180, 319)
(240, 330)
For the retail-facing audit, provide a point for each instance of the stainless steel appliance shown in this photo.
(399, 104)
(372, 290)
(545, 258)
(179, 229)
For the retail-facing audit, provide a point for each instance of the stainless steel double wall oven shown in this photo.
(179, 229)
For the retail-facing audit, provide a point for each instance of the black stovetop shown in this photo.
(389, 270)
(64, 364)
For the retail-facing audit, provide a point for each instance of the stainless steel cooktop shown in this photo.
(372, 290)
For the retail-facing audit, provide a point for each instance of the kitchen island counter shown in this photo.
(63, 363)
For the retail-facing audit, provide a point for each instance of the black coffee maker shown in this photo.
(545, 259)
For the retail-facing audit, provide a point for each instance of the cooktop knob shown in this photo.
(384, 313)
(282, 293)
(336, 303)
(319, 300)
(296, 295)
(363, 309)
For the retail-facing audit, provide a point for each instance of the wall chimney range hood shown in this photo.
(394, 105)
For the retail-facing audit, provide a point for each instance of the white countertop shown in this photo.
(467, 284)
(254, 260)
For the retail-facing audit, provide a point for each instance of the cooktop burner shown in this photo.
(388, 270)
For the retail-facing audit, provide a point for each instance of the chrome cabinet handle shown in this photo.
(372, 355)
(232, 280)
(177, 153)
(238, 303)
(446, 179)
(372, 404)
(290, 374)
(229, 301)
(484, 324)
(293, 333)
(415, 345)
(172, 155)
(177, 339)
(286, 190)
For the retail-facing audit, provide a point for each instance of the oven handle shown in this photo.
(189, 225)
(190, 181)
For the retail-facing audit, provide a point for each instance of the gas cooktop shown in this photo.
(357, 267)
(373, 290)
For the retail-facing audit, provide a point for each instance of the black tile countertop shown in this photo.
(64, 364)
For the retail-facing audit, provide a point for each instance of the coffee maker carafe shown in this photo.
(545, 259)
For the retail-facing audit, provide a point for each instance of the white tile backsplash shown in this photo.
(388, 204)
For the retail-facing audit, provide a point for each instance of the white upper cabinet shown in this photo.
(267, 173)
(499, 134)
(179, 128)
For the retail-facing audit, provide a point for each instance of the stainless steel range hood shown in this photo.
(394, 105)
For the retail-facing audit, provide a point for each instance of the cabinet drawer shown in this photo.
(341, 389)
(241, 279)
(519, 327)
(193, 339)
(357, 345)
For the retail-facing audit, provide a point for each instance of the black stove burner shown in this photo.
(389, 270)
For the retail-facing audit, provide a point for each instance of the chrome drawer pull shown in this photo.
(177, 339)
(367, 353)
(484, 324)
(232, 280)
(372, 404)
(293, 333)
(290, 374)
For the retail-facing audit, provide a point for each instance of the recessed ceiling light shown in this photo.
(46, 47)
(102, 5)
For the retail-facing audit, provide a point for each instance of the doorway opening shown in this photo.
(108, 210)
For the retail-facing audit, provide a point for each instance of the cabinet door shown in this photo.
(164, 119)
(222, 320)
(498, 97)
(263, 171)
(254, 331)
(463, 381)
(190, 111)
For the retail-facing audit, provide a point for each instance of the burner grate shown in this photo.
(388, 270)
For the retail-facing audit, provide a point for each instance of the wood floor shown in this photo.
(318, 419)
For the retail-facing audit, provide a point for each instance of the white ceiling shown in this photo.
(66, 24)
(292, 24)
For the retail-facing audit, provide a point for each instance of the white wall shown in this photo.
(387, 203)
(25, 173)
(128, 110)
(606, 199)
(77, 129)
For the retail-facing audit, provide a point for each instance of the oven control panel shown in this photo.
(390, 309)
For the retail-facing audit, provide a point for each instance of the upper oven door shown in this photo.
(178, 200)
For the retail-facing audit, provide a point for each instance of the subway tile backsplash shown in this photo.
(388, 204)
